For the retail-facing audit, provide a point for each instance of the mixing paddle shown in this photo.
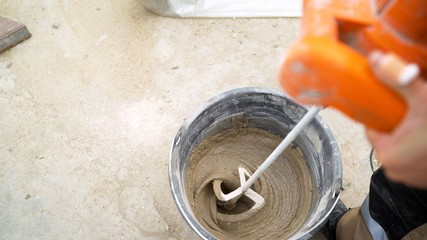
(229, 200)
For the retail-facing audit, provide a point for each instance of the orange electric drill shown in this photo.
(327, 66)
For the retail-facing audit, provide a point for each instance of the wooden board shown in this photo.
(11, 33)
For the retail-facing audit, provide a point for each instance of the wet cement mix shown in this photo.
(285, 186)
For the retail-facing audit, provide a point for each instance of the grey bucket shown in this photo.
(271, 110)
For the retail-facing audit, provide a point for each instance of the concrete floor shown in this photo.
(89, 106)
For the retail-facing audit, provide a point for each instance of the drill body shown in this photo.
(328, 65)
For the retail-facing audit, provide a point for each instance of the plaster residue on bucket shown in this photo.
(285, 186)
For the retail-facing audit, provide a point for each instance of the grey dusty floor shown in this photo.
(89, 106)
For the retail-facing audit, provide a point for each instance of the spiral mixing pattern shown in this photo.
(285, 186)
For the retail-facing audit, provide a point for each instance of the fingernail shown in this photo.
(394, 67)
(408, 74)
(375, 57)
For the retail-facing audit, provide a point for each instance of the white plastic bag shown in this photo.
(225, 8)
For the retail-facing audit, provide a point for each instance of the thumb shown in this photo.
(396, 73)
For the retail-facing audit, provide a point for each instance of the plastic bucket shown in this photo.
(271, 110)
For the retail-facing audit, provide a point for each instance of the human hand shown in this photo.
(403, 152)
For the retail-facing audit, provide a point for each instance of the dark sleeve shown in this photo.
(396, 207)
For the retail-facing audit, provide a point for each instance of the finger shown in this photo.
(401, 174)
(411, 179)
(381, 142)
(392, 174)
(384, 145)
(396, 73)
(372, 135)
